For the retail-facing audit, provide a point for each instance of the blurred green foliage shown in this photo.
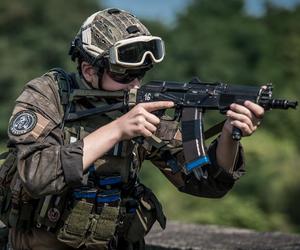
(34, 37)
(214, 40)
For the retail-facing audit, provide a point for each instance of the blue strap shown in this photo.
(84, 194)
(108, 199)
(110, 180)
(201, 161)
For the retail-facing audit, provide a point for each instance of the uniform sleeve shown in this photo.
(169, 158)
(45, 164)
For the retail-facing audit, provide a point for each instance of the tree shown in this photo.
(219, 41)
(34, 37)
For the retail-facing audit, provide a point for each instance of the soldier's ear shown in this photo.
(89, 73)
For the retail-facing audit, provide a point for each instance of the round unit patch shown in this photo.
(23, 122)
(53, 214)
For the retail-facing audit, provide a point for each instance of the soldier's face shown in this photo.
(109, 84)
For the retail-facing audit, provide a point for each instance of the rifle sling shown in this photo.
(72, 116)
(212, 131)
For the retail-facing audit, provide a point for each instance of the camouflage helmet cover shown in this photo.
(102, 30)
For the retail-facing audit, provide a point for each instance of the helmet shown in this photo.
(105, 40)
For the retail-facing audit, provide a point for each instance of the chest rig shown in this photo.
(86, 111)
(112, 205)
(111, 209)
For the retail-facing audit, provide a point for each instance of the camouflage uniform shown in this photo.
(49, 164)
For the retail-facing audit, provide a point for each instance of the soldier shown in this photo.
(75, 183)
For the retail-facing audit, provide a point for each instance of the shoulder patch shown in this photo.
(22, 122)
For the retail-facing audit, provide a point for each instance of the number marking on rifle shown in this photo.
(147, 97)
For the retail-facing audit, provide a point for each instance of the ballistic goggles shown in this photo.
(132, 52)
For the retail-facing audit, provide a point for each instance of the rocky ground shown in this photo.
(178, 236)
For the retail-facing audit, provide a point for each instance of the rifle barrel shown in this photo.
(282, 104)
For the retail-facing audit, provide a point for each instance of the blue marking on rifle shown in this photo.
(197, 163)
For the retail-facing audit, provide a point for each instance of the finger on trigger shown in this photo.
(152, 106)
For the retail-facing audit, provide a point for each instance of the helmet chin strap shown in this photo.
(100, 73)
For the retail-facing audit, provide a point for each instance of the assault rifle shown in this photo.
(191, 100)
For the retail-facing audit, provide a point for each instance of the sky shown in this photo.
(165, 10)
(162, 10)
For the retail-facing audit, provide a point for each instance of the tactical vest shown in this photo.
(110, 207)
